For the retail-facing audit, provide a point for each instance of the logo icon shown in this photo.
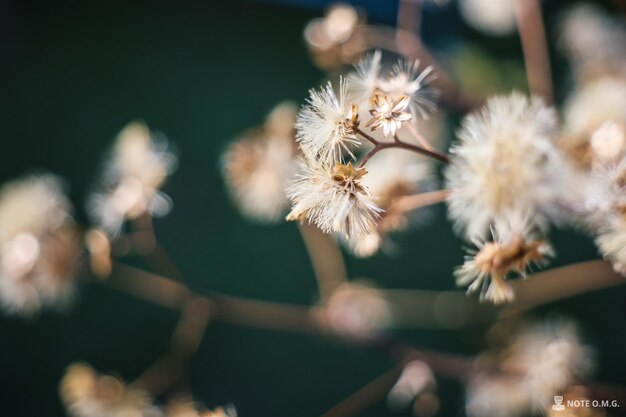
(558, 403)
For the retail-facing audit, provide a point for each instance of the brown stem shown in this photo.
(366, 396)
(326, 258)
(173, 295)
(410, 16)
(558, 283)
(157, 257)
(379, 146)
(422, 141)
(536, 58)
(186, 338)
(415, 201)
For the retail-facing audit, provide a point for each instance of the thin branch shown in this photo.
(366, 396)
(564, 282)
(326, 258)
(535, 47)
(416, 201)
(379, 146)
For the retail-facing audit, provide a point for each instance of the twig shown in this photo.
(326, 258)
(415, 201)
(397, 143)
(366, 396)
(533, 36)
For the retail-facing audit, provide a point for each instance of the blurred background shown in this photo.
(74, 74)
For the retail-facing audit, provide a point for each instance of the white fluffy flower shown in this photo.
(138, 167)
(542, 361)
(38, 245)
(333, 198)
(495, 17)
(505, 166)
(405, 79)
(324, 127)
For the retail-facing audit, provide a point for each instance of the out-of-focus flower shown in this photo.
(492, 17)
(595, 111)
(335, 39)
(85, 393)
(594, 41)
(333, 198)
(505, 167)
(137, 168)
(39, 247)
(403, 80)
(183, 408)
(260, 164)
(487, 270)
(415, 379)
(357, 310)
(388, 114)
(541, 361)
(325, 125)
(391, 175)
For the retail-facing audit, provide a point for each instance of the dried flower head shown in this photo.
(487, 270)
(492, 17)
(403, 80)
(333, 198)
(259, 165)
(85, 393)
(388, 114)
(325, 125)
(138, 167)
(39, 247)
(391, 175)
(505, 167)
(540, 362)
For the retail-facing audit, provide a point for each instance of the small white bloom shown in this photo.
(324, 127)
(259, 165)
(506, 166)
(541, 361)
(357, 310)
(138, 167)
(404, 79)
(333, 198)
(492, 17)
(388, 114)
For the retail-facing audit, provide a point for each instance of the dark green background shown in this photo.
(73, 75)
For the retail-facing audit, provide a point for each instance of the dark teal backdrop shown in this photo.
(73, 74)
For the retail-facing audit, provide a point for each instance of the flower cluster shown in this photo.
(86, 393)
(331, 188)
